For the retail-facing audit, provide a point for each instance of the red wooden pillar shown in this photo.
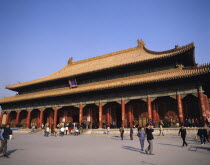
(80, 114)
(202, 106)
(1, 118)
(108, 116)
(65, 115)
(130, 116)
(7, 118)
(28, 118)
(55, 116)
(123, 112)
(149, 107)
(41, 117)
(100, 114)
(207, 106)
(154, 111)
(180, 108)
(17, 117)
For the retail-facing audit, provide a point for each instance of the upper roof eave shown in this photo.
(70, 70)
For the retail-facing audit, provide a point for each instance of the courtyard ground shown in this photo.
(35, 149)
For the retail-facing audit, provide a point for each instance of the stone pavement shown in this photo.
(35, 149)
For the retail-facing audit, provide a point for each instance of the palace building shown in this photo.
(123, 88)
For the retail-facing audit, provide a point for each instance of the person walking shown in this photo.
(4, 136)
(150, 138)
(121, 132)
(183, 133)
(47, 131)
(131, 133)
(201, 135)
(141, 135)
(161, 127)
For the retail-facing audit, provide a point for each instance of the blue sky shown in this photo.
(37, 37)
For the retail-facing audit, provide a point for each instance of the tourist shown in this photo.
(150, 138)
(186, 123)
(121, 132)
(189, 122)
(66, 129)
(201, 135)
(205, 135)
(32, 128)
(55, 132)
(131, 133)
(47, 131)
(208, 119)
(4, 136)
(141, 135)
(108, 130)
(150, 122)
(183, 133)
(62, 131)
(161, 127)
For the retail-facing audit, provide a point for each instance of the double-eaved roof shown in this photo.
(128, 56)
(120, 58)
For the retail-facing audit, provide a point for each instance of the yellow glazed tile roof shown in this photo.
(176, 73)
(116, 59)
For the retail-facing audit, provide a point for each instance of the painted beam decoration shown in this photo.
(72, 83)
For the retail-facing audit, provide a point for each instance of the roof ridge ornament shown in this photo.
(70, 61)
(141, 43)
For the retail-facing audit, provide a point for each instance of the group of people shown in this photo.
(147, 133)
(63, 129)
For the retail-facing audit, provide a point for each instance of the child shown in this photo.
(141, 135)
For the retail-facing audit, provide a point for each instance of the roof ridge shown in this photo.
(185, 47)
(106, 55)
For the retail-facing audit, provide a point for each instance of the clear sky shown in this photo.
(37, 37)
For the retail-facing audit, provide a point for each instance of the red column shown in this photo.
(100, 115)
(108, 116)
(17, 117)
(180, 109)
(65, 115)
(55, 116)
(154, 112)
(28, 119)
(1, 118)
(149, 107)
(80, 114)
(41, 117)
(129, 116)
(123, 112)
(202, 105)
(7, 118)
(207, 106)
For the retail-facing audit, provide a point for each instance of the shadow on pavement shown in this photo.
(12, 151)
(170, 144)
(132, 149)
(200, 149)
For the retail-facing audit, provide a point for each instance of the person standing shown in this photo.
(108, 130)
(141, 135)
(150, 138)
(161, 127)
(205, 135)
(121, 132)
(183, 133)
(131, 133)
(4, 136)
(201, 135)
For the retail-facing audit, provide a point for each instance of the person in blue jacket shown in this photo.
(141, 135)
